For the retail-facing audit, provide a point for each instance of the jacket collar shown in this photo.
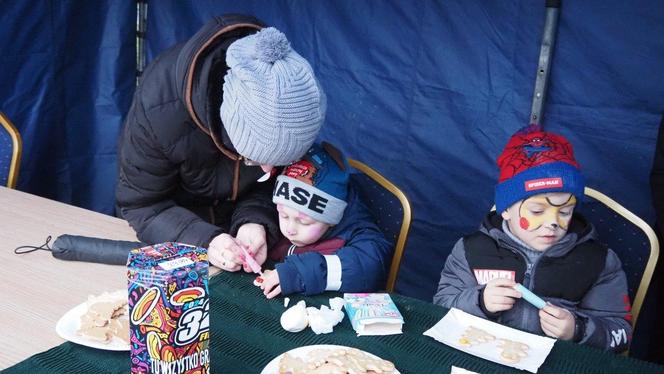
(204, 55)
(580, 230)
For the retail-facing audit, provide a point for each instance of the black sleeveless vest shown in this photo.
(567, 277)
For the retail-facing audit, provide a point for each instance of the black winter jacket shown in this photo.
(179, 177)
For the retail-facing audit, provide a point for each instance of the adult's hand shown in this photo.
(253, 237)
(224, 252)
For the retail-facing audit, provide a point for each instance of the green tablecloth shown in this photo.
(246, 335)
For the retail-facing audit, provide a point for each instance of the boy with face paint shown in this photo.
(535, 239)
(331, 242)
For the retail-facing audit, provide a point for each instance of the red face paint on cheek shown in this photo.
(317, 230)
(523, 222)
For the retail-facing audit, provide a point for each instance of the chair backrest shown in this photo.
(633, 240)
(390, 208)
(10, 152)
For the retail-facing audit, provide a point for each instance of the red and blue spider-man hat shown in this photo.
(534, 162)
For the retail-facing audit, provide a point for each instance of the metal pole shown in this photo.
(141, 26)
(543, 68)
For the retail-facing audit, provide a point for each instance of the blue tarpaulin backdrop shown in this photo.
(67, 73)
(426, 92)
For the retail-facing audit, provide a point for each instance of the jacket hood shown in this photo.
(200, 69)
(356, 216)
(580, 231)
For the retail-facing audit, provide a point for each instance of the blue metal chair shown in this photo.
(630, 237)
(390, 208)
(10, 152)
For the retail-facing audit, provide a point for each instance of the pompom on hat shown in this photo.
(534, 162)
(316, 185)
(273, 106)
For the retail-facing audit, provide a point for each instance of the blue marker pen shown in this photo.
(530, 297)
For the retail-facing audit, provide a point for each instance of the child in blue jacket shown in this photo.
(331, 241)
(534, 238)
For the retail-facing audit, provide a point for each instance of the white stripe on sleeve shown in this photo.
(333, 273)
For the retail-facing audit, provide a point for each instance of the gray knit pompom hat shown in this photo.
(273, 106)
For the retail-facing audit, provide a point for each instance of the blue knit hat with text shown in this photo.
(534, 162)
(272, 106)
(316, 185)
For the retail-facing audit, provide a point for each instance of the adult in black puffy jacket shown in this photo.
(211, 117)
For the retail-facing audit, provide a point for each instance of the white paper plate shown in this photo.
(455, 322)
(273, 366)
(71, 321)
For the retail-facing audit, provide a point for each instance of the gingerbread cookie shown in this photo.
(119, 327)
(473, 336)
(335, 361)
(328, 369)
(362, 364)
(371, 364)
(512, 352)
(294, 365)
(106, 317)
(319, 357)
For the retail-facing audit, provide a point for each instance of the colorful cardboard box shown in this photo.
(168, 309)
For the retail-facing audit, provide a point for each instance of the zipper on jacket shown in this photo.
(526, 276)
(528, 283)
(291, 249)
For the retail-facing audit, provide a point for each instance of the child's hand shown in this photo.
(499, 295)
(252, 235)
(270, 285)
(223, 253)
(557, 322)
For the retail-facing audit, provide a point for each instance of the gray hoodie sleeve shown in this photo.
(606, 309)
(458, 287)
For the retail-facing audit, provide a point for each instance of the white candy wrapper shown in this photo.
(295, 318)
(451, 327)
(321, 321)
(337, 303)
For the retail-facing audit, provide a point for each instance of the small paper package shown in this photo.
(373, 314)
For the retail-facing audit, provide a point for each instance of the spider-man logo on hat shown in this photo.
(533, 162)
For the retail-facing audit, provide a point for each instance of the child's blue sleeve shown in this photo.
(302, 273)
(359, 266)
(363, 262)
